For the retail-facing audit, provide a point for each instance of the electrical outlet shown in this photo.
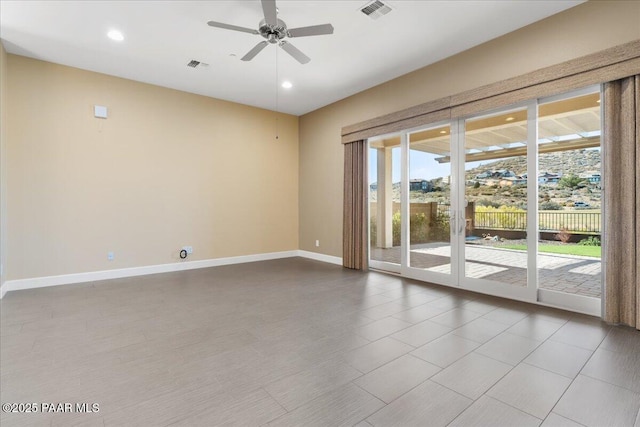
(110, 256)
(189, 249)
(317, 243)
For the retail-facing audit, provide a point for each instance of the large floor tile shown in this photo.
(563, 359)
(482, 306)
(555, 420)
(371, 356)
(595, 403)
(472, 375)
(416, 299)
(421, 333)
(488, 412)
(508, 348)
(381, 328)
(347, 405)
(445, 350)
(622, 339)
(419, 313)
(587, 335)
(390, 381)
(428, 404)
(383, 310)
(535, 328)
(256, 408)
(298, 389)
(456, 317)
(530, 389)
(480, 330)
(506, 315)
(621, 369)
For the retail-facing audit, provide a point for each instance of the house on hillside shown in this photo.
(591, 176)
(420, 185)
(548, 178)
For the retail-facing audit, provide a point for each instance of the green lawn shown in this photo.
(566, 249)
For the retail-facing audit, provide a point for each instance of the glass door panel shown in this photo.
(494, 206)
(570, 190)
(385, 215)
(430, 199)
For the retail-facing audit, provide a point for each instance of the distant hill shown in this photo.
(565, 162)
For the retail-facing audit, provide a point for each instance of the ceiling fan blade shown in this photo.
(313, 30)
(231, 27)
(256, 50)
(295, 52)
(270, 12)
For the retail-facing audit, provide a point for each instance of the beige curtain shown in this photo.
(622, 201)
(354, 246)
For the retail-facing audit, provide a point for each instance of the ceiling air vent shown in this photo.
(193, 63)
(375, 9)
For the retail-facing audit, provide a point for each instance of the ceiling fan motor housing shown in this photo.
(272, 33)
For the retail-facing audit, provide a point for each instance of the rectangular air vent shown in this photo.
(375, 9)
(193, 63)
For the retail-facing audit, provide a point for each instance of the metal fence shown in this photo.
(585, 222)
(501, 220)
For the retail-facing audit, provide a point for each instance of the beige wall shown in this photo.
(585, 29)
(3, 158)
(166, 169)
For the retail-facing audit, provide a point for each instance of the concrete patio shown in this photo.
(564, 273)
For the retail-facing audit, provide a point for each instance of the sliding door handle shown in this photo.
(452, 222)
(463, 223)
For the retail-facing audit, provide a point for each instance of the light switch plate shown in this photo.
(100, 111)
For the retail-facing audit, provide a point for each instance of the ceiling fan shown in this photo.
(275, 30)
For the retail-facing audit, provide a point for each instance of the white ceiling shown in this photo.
(161, 37)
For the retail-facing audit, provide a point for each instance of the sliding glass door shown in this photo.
(505, 203)
(570, 200)
(384, 204)
(429, 209)
(498, 256)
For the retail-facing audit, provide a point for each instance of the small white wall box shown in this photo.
(100, 111)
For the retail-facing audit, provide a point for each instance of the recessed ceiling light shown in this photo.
(287, 85)
(115, 35)
(598, 101)
(443, 131)
(510, 119)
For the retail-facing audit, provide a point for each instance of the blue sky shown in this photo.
(422, 165)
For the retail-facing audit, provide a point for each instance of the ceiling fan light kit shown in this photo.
(275, 31)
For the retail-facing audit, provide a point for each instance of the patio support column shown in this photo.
(385, 200)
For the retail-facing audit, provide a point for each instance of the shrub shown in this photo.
(441, 229)
(487, 202)
(550, 206)
(590, 241)
(571, 181)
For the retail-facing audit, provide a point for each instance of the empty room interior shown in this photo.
(320, 213)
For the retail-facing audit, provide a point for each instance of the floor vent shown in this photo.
(193, 63)
(375, 9)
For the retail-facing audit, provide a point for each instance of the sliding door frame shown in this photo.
(532, 293)
(527, 293)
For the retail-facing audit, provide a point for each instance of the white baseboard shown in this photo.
(320, 257)
(68, 279)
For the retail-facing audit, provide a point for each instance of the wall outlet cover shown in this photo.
(100, 111)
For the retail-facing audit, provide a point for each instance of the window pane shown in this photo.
(570, 190)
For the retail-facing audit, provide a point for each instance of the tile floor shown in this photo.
(296, 342)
